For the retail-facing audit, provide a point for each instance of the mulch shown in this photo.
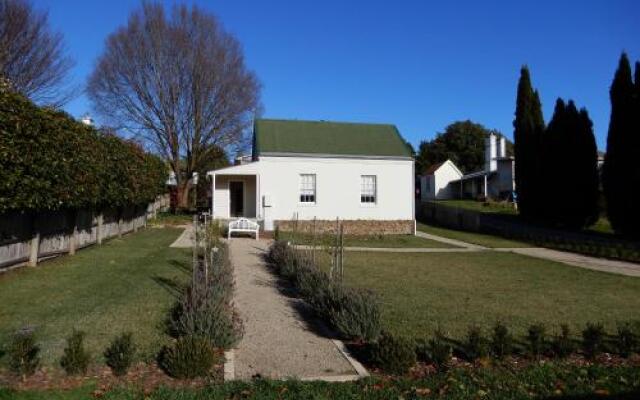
(146, 377)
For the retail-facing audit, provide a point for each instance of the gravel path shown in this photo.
(279, 341)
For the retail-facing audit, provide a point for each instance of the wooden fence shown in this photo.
(26, 238)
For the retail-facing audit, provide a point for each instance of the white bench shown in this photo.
(243, 225)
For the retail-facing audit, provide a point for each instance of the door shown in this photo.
(236, 198)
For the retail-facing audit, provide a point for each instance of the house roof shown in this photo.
(433, 168)
(291, 137)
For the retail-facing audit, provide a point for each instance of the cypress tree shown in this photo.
(553, 142)
(621, 173)
(528, 130)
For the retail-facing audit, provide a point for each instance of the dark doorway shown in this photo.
(236, 198)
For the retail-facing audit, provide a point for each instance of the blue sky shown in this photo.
(418, 64)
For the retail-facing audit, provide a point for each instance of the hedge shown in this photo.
(50, 161)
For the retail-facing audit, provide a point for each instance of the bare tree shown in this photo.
(180, 82)
(32, 56)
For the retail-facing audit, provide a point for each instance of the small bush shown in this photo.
(441, 351)
(355, 313)
(536, 340)
(393, 354)
(592, 340)
(24, 353)
(120, 353)
(75, 359)
(475, 346)
(188, 358)
(562, 343)
(501, 341)
(626, 340)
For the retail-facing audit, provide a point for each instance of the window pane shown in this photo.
(368, 189)
(307, 188)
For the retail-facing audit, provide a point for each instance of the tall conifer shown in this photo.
(621, 174)
(528, 130)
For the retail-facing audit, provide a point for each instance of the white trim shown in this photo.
(327, 155)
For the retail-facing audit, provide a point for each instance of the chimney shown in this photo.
(502, 147)
(87, 120)
(490, 153)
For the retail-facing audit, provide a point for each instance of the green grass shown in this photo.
(491, 207)
(548, 380)
(384, 241)
(169, 218)
(424, 291)
(471, 237)
(124, 285)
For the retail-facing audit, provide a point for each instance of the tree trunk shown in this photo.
(183, 195)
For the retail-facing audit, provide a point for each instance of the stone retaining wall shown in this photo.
(351, 227)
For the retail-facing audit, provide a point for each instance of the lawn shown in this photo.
(471, 237)
(124, 285)
(424, 291)
(388, 241)
(485, 207)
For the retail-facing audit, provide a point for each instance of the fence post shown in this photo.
(120, 223)
(73, 238)
(34, 248)
(99, 229)
(134, 221)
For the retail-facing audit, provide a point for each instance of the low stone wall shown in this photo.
(351, 227)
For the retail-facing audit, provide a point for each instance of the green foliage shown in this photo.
(190, 357)
(528, 130)
(60, 163)
(475, 345)
(626, 340)
(24, 353)
(536, 340)
(570, 169)
(501, 341)
(354, 313)
(462, 142)
(593, 340)
(562, 343)
(75, 359)
(621, 171)
(120, 354)
(440, 351)
(393, 354)
(204, 308)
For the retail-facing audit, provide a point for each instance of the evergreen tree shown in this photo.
(528, 130)
(621, 174)
(570, 170)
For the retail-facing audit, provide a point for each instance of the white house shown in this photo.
(317, 170)
(496, 180)
(434, 183)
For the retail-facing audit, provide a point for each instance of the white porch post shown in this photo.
(258, 208)
(213, 194)
(485, 187)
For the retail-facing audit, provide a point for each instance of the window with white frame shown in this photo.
(368, 189)
(307, 188)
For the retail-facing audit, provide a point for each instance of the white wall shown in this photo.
(221, 199)
(337, 188)
(443, 176)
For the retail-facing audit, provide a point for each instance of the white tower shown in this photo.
(490, 153)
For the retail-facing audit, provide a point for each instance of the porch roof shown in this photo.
(252, 168)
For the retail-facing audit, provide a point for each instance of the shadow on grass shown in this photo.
(182, 266)
(171, 285)
(633, 395)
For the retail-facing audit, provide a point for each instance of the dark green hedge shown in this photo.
(49, 161)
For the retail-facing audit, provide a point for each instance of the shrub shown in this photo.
(393, 354)
(501, 341)
(441, 351)
(24, 353)
(626, 340)
(188, 358)
(562, 343)
(120, 353)
(355, 313)
(592, 340)
(475, 346)
(205, 308)
(75, 359)
(536, 340)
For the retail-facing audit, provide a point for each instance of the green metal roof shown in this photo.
(273, 136)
